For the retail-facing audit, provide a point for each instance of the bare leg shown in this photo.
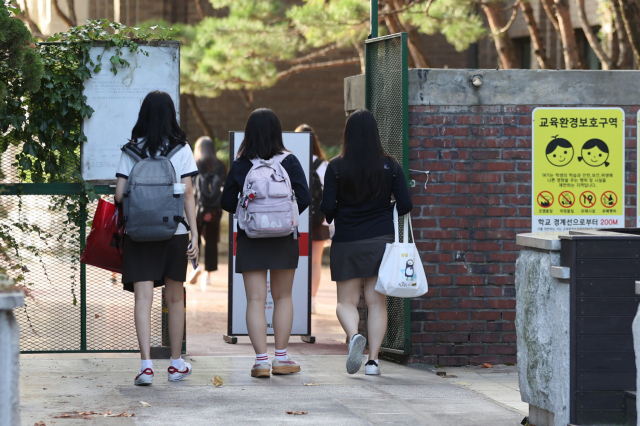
(281, 285)
(174, 296)
(143, 292)
(347, 309)
(376, 316)
(317, 247)
(255, 286)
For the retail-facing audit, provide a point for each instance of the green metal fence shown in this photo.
(386, 93)
(102, 319)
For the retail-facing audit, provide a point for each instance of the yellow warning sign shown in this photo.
(578, 168)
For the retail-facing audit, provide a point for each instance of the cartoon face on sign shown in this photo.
(595, 153)
(559, 152)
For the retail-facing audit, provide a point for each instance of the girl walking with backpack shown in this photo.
(154, 184)
(208, 192)
(267, 189)
(319, 229)
(358, 187)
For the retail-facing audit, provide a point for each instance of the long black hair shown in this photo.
(262, 136)
(157, 123)
(361, 162)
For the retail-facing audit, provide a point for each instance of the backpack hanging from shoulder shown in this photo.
(208, 193)
(317, 217)
(267, 207)
(152, 211)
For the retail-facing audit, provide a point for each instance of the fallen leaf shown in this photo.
(217, 381)
(40, 424)
(487, 365)
(192, 360)
(97, 316)
(309, 384)
(64, 377)
(123, 414)
(297, 413)
(145, 404)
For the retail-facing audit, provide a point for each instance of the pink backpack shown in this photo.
(267, 207)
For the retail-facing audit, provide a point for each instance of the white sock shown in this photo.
(262, 358)
(281, 355)
(177, 363)
(146, 363)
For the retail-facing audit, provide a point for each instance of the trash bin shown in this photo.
(590, 351)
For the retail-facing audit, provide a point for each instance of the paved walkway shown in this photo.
(402, 395)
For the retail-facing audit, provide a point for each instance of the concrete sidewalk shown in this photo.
(402, 395)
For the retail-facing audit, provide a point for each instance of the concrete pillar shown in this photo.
(9, 357)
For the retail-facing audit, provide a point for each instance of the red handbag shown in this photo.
(104, 244)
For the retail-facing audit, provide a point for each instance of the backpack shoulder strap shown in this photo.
(317, 163)
(134, 151)
(171, 152)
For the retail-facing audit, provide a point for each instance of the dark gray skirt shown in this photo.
(152, 261)
(255, 254)
(358, 259)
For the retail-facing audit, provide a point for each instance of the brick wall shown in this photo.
(465, 223)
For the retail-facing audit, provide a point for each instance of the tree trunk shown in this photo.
(413, 44)
(61, 14)
(26, 18)
(393, 25)
(594, 42)
(567, 36)
(71, 5)
(534, 32)
(202, 121)
(360, 50)
(630, 17)
(625, 58)
(504, 45)
(200, 9)
(550, 10)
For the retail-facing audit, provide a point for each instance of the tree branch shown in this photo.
(71, 5)
(607, 64)
(61, 15)
(25, 17)
(534, 33)
(630, 15)
(315, 54)
(200, 9)
(625, 54)
(514, 14)
(504, 45)
(550, 10)
(202, 121)
(247, 97)
(299, 68)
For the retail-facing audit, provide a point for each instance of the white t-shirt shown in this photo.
(183, 163)
(322, 169)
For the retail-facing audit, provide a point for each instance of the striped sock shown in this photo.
(281, 355)
(262, 358)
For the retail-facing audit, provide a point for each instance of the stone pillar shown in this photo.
(542, 327)
(9, 357)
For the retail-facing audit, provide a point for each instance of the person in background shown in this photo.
(358, 187)
(208, 193)
(277, 255)
(320, 229)
(156, 263)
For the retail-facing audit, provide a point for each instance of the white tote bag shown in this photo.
(401, 272)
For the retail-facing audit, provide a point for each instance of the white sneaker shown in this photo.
(371, 368)
(193, 278)
(354, 359)
(144, 377)
(175, 374)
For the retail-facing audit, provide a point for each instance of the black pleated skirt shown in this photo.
(254, 254)
(358, 259)
(152, 261)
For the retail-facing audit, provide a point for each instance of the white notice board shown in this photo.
(300, 145)
(116, 101)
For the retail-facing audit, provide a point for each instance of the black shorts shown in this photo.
(152, 261)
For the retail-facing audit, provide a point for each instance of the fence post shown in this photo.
(83, 279)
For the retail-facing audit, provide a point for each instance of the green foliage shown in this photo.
(20, 66)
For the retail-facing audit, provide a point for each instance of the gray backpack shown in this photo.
(152, 211)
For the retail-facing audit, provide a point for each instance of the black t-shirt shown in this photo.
(238, 172)
(368, 219)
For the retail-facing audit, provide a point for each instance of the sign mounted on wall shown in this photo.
(301, 145)
(578, 168)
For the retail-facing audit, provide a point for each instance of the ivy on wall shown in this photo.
(44, 125)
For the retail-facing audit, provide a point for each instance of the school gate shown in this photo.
(476, 142)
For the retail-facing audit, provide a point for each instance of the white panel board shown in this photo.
(300, 144)
(116, 101)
